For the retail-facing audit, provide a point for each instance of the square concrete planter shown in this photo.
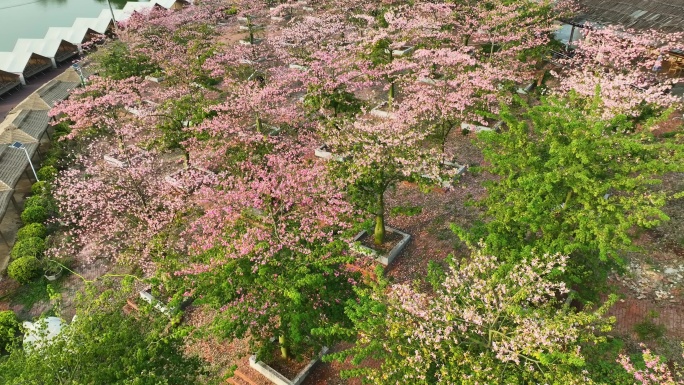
(384, 259)
(147, 297)
(280, 18)
(114, 162)
(402, 51)
(529, 87)
(272, 130)
(432, 82)
(247, 42)
(252, 62)
(380, 111)
(449, 165)
(298, 67)
(460, 168)
(277, 378)
(255, 27)
(155, 79)
(474, 127)
(176, 178)
(324, 153)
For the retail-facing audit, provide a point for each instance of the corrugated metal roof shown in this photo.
(5, 198)
(13, 163)
(666, 15)
(32, 122)
(55, 90)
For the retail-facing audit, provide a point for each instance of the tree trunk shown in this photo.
(379, 234)
(283, 347)
(390, 96)
(259, 125)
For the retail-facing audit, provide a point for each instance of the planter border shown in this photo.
(322, 152)
(378, 113)
(402, 51)
(246, 42)
(275, 377)
(114, 162)
(55, 276)
(384, 259)
(155, 79)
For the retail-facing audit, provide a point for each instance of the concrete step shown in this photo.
(245, 377)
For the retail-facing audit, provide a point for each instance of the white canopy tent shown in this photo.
(42, 331)
(57, 50)
(24, 64)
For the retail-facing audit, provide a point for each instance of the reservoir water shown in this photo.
(31, 18)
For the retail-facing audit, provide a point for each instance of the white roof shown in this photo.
(14, 62)
(42, 330)
(130, 7)
(43, 47)
(73, 35)
(97, 24)
(165, 3)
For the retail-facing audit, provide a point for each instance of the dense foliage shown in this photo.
(102, 345)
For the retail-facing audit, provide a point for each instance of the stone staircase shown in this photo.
(241, 378)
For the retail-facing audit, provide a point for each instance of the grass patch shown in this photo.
(406, 210)
(34, 292)
(649, 330)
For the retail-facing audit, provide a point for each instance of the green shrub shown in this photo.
(47, 173)
(649, 330)
(9, 329)
(24, 269)
(29, 247)
(40, 188)
(36, 200)
(34, 214)
(33, 230)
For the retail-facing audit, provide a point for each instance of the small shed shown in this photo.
(58, 50)
(8, 81)
(172, 4)
(24, 64)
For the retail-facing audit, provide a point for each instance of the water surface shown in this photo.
(31, 18)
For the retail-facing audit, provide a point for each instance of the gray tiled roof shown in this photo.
(55, 91)
(666, 15)
(32, 122)
(5, 197)
(13, 163)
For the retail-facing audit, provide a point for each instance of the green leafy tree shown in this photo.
(572, 182)
(9, 329)
(102, 345)
(272, 256)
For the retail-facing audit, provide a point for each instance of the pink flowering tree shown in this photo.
(485, 323)
(617, 65)
(268, 251)
(376, 154)
(114, 212)
(97, 109)
(178, 43)
(470, 56)
(655, 370)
